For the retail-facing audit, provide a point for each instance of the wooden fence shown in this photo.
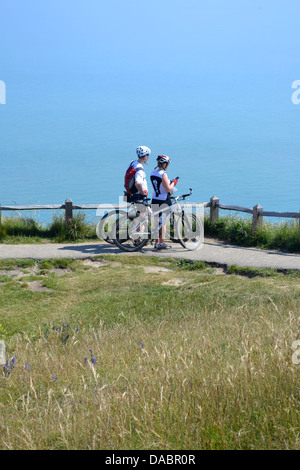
(257, 213)
(214, 204)
(68, 207)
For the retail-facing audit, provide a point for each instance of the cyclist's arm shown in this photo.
(139, 187)
(166, 183)
(140, 183)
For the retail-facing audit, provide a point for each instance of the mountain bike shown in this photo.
(132, 231)
(106, 224)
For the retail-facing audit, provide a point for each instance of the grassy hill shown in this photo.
(144, 353)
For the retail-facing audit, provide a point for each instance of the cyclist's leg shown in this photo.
(142, 212)
(155, 220)
(163, 214)
(166, 211)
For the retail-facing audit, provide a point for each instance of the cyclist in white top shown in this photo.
(140, 176)
(161, 195)
(140, 182)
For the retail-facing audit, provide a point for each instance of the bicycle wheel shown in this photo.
(127, 237)
(190, 231)
(106, 225)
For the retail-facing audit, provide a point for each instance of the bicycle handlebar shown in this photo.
(183, 195)
(187, 195)
(146, 200)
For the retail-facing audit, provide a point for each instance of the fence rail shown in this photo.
(214, 204)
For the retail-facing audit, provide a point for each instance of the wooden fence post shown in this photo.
(68, 210)
(214, 209)
(257, 220)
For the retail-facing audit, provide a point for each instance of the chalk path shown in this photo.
(212, 251)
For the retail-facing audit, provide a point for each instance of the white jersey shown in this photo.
(159, 191)
(140, 176)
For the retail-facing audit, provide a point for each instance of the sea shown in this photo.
(72, 135)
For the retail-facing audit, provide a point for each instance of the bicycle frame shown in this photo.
(175, 209)
(136, 230)
(132, 230)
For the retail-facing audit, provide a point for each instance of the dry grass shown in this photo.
(206, 364)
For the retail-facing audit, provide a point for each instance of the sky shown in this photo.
(134, 37)
(227, 48)
(202, 67)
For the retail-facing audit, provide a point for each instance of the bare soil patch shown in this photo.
(100, 264)
(173, 282)
(156, 269)
(36, 286)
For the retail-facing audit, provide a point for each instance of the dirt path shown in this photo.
(213, 251)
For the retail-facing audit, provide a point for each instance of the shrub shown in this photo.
(238, 230)
(75, 229)
(20, 226)
(2, 232)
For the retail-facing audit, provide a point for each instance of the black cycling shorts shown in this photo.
(159, 202)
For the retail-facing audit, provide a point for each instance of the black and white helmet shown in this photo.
(163, 159)
(142, 151)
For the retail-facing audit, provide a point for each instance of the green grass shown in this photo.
(16, 230)
(117, 356)
(234, 229)
(252, 272)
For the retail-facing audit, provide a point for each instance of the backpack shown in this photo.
(130, 179)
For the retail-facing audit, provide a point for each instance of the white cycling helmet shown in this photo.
(163, 159)
(142, 151)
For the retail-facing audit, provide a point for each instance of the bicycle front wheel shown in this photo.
(126, 236)
(190, 231)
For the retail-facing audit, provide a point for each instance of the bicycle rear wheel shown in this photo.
(127, 238)
(106, 225)
(190, 231)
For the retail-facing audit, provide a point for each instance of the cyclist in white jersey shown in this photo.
(161, 195)
(140, 176)
(140, 182)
